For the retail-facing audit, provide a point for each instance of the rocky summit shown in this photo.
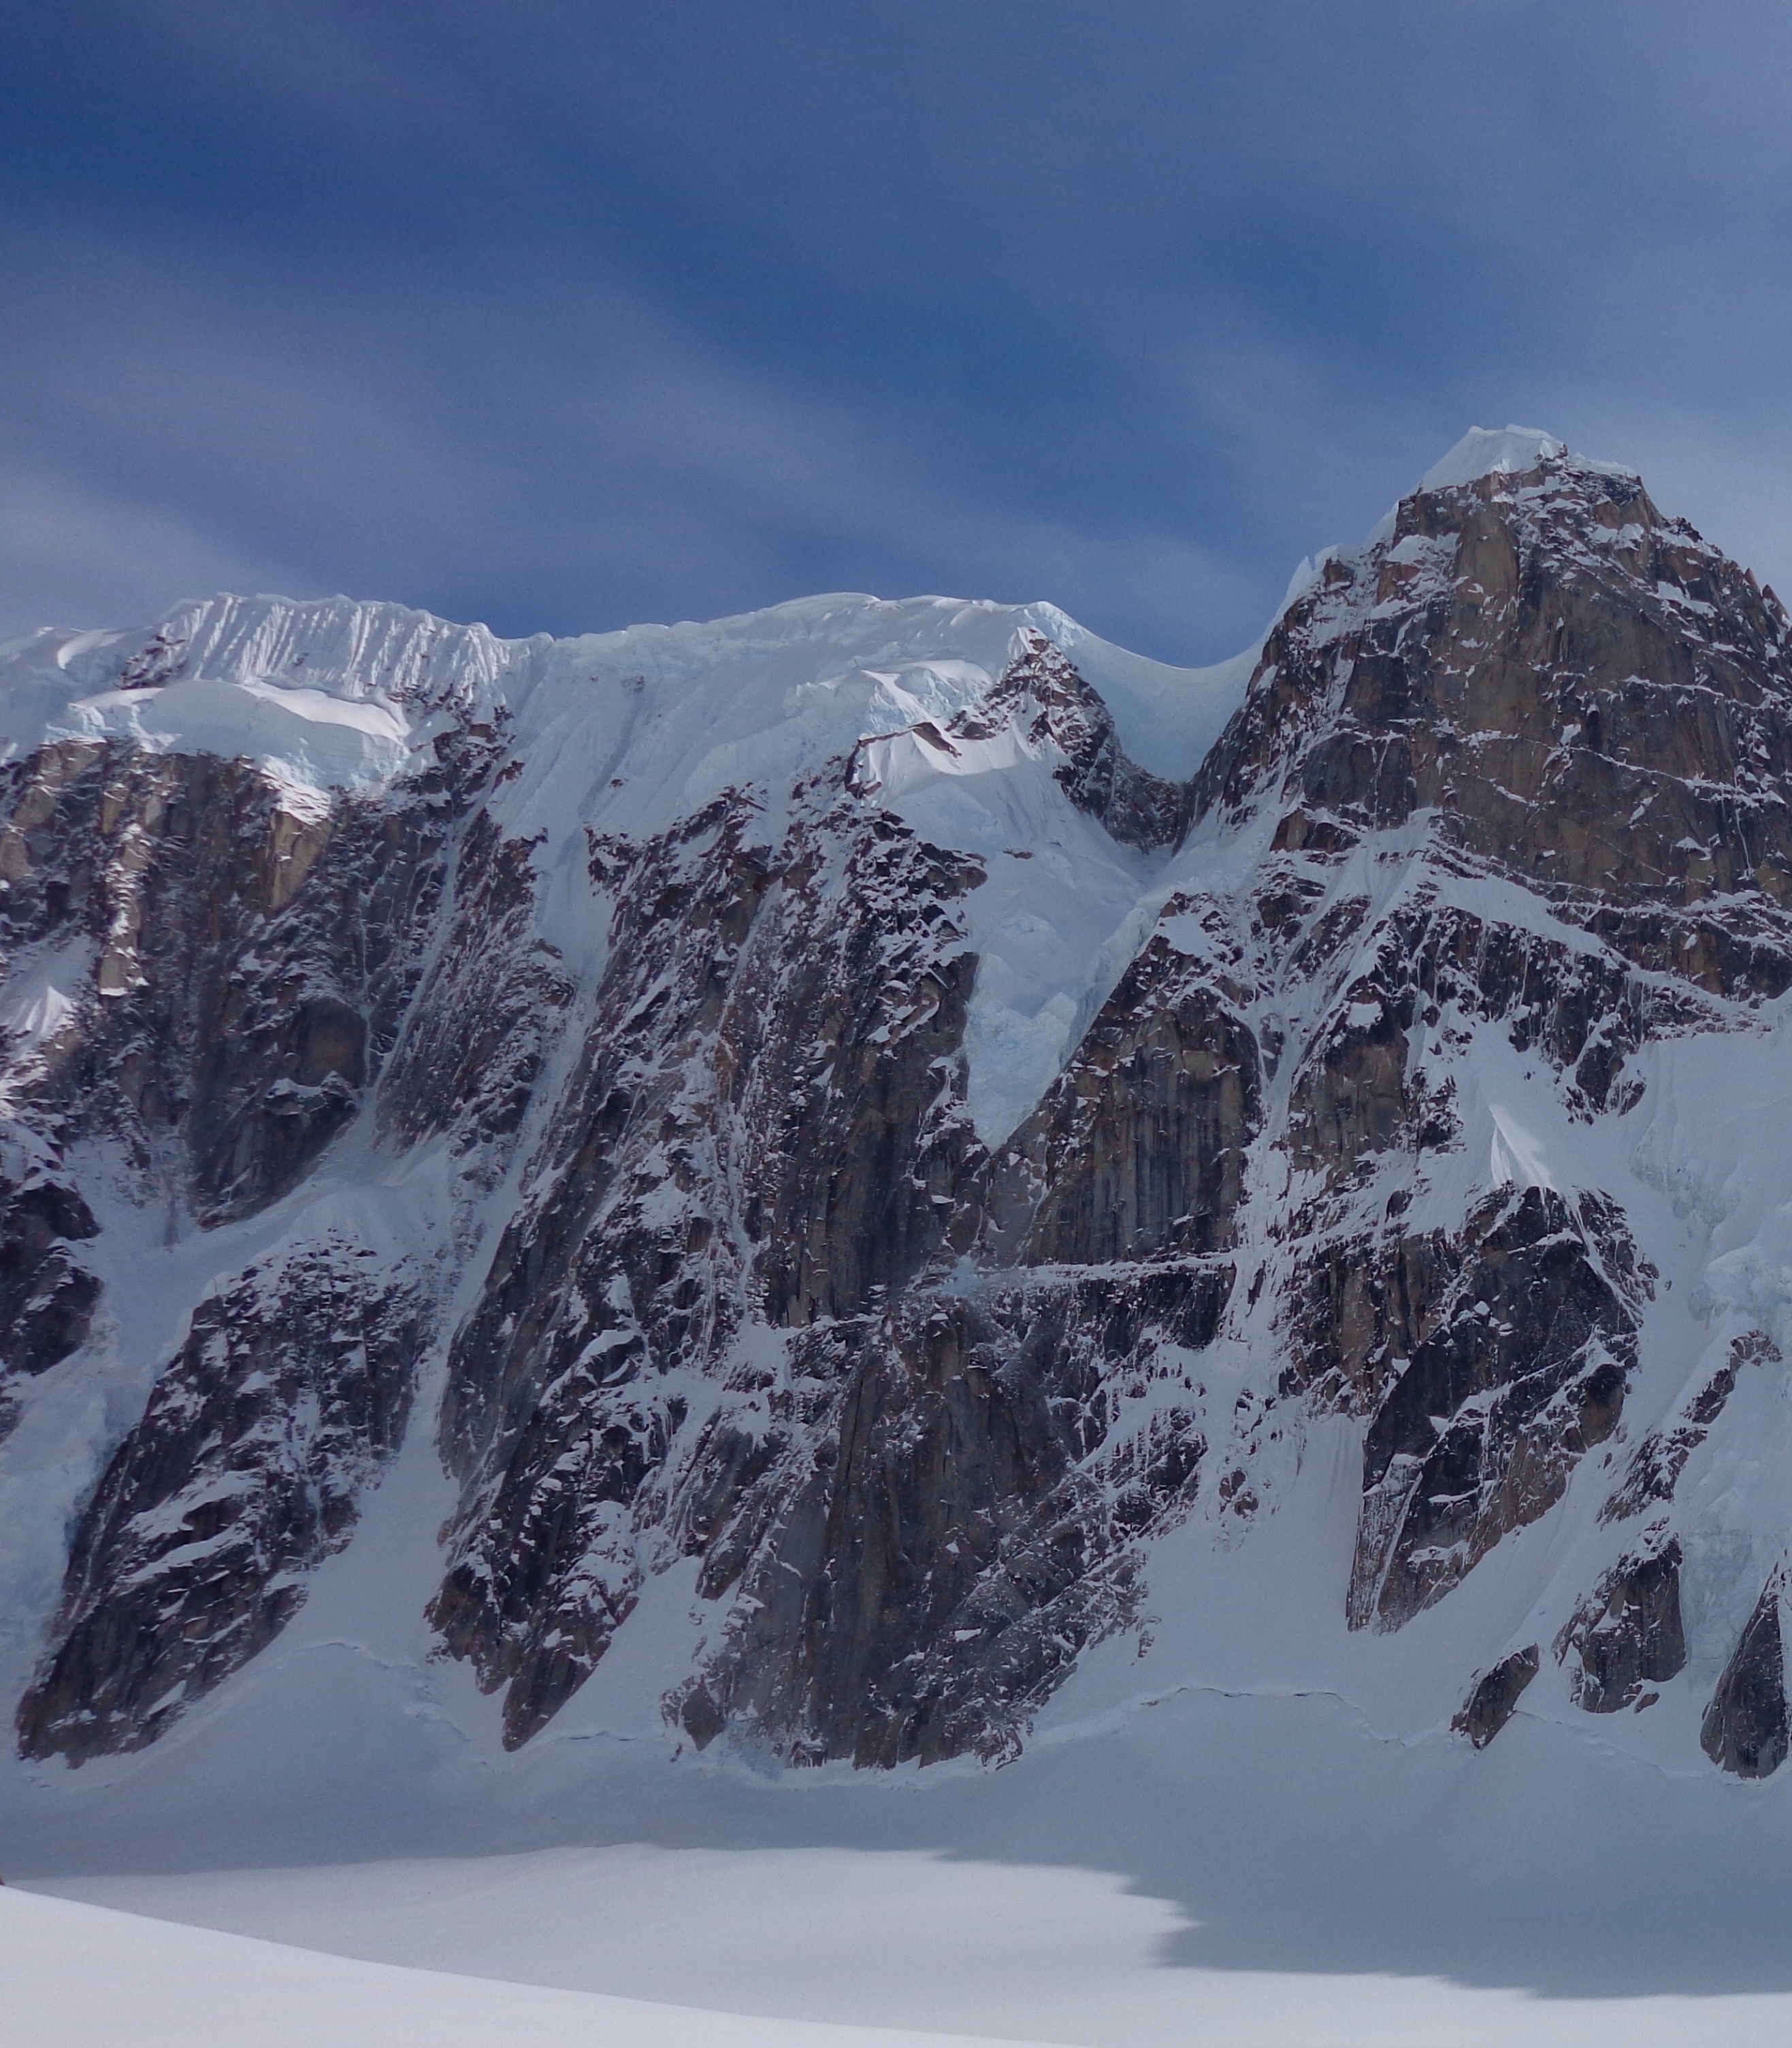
(852, 1159)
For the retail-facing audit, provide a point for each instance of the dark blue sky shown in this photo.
(564, 315)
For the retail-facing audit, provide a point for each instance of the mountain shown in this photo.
(809, 1179)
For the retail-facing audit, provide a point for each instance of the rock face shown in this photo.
(1745, 1728)
(289, 1392)
(1522, 1369)
(1497, 1693)
(1629, 1634)
(253, 961)
(1582, 694)
(761, 1130)
(601, 1034)
(47, 1296)
(1660, 1458)
(973, 1518)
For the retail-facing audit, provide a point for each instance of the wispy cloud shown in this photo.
(563, 315)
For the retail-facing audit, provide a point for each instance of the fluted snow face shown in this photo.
(347, 695)
(323, 696)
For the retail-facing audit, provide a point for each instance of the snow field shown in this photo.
(81, 1974)
(832, 1949)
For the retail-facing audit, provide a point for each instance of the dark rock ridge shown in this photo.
(723, 1276)
(1497, 1693)
(1628, 1633)
(763, 1127)
(290, 1391)
(47, 1295)
(1522, 1369)
(1562, 684)
(1746, 1726)
(1659, 1459)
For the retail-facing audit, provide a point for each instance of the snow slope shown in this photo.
(1139, 1891)
(81, 1973)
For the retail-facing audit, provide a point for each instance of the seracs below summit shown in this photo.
(828, 1182)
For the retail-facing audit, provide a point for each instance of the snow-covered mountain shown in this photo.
(793, 1184)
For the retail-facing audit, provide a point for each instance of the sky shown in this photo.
(565, 314)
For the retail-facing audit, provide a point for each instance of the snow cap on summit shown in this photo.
(1484, 451)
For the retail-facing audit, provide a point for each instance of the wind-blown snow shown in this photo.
(1487, 450)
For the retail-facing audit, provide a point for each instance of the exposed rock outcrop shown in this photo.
(1496, 1694)
(1557, 681)
(1658, 1461)
(1523, 1370)
(290, 1392)
(1138, 1150)
(972, 1518)
(1627, 1634)
(1745, 1728)
(255, 953)
(765, 1125)
(47, 1295)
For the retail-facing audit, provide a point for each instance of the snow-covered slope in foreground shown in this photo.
(81, 1973)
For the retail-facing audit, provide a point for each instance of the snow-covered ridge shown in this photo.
(1504, 451)
(332, 693)
(626, 732)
